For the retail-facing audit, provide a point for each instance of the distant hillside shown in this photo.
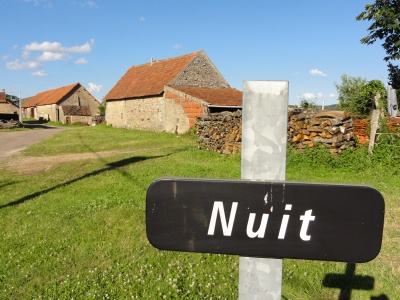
(331, 107)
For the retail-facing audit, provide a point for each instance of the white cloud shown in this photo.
(40, 73)
(85, 48)
(51, 56)
(316, 96)
(48, 51)
(81, 61)
(22, 65)
(94, 87)
(45, 46)
(307, 96)
(177, 46)
(45, 3)
(90, 4)
(25, 55)
(57, 47)
(317, 72)
(142, 19)
(5, 57)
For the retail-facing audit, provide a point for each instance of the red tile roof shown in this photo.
(217, 97)
(149, 79)
(50, 97)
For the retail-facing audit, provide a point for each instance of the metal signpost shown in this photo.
(260, 217)
(264, 127)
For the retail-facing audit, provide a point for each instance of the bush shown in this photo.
(357, 95)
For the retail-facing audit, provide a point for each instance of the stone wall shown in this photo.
(46, 112)
(141, 113)
(175, 112)
(200, 73)
(84, 120)
(8, 108)
(190, 108)
(81, 97)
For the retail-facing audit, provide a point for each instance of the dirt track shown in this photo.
(14, 141)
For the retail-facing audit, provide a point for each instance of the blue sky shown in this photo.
(47, 44)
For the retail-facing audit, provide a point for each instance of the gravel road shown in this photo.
(14, 141)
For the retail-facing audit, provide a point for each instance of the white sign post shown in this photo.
(263, 158)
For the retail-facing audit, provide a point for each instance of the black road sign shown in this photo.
(329, 222)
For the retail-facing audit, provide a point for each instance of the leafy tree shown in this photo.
(375, 91)
(394, 78)
(357, 95)
(102, 108)
(385, 17)
(308, 104)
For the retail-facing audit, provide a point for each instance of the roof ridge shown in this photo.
(167, 59)
(42, 98)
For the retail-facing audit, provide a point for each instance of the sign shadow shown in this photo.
(349, 281)
(110, 166)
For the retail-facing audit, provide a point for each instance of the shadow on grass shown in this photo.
(110, 166)
(6, 183)
(349, 281)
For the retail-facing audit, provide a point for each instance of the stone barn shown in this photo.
(167, 95)
(68, 104)
(8, 109)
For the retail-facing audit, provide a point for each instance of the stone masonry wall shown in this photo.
(190, 106)
(141, 114)
(47, 112)
(81, 97)
(8, 108)
(176, 112)
(200, 73)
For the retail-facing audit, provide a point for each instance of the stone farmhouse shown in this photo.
(68, 104)
(8, 109)
(167, 95)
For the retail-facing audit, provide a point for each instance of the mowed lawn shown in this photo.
(76, 229)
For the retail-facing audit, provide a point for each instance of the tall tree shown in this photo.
(385, 17)
(358, 96)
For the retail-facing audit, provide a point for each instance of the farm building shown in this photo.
(68, 104)
(167, 95)
(8, 109)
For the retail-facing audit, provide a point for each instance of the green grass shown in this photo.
(78, 229)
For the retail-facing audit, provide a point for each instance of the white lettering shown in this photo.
(226, 227)
(261, 230)
(306, 218)
(284, 223)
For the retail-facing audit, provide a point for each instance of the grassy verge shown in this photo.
(78, 230)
